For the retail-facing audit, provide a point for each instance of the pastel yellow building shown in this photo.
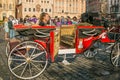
(69, 7)
(53, 7)
(7, 8)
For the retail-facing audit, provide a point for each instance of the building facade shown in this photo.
(99, 6)
(7, 8)
(115, 8)
(53, 7)
(69, 7)
(33, 7)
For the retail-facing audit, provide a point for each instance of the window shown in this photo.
(42, 10)
(10, 6)
(0, 5)
(62, 11)
(25, 9)
(29, 9)
(49, 10)
(4, 6)
(45, 10)
(33, 9)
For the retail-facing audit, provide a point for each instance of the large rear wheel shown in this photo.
(115, 54)
(27, 60)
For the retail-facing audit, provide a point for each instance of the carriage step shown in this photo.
(65, 62)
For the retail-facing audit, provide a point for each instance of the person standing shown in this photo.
(6, 28)
(74, 21)
(69, 22)
(58, 23)
(11, 23)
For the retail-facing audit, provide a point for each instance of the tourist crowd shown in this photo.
(43, 20)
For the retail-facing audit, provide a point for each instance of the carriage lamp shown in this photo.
(80, 44)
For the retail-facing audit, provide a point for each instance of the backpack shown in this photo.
(10, 24)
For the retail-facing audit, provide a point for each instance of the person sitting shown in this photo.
(44, 19)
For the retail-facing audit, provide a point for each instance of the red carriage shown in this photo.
(29, 57)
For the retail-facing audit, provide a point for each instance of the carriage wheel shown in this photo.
(90, 53)
(7, 49)
(27, 60)
(115, 55)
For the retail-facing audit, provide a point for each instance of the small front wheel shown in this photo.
(27, 60)
(115, 55)
(90, 53)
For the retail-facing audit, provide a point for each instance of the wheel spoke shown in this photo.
(88, 53)
(17, 59)
(38, 61)
(19, 65)
(36, 55)
(115, 60)
(33, 50)
(118, 49)
(20, 53)
(35, 66)
(23, 70)
(30, 70)
(27, 50)
(114, 57)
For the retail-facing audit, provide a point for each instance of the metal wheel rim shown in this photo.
(7, 49)
(9, 57)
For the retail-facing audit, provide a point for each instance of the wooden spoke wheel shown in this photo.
(27, 60)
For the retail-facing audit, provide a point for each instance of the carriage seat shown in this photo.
(68, 35)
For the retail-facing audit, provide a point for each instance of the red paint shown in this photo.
(41, 43)
(20, 26)
(52, 46)
(91, 27)
(106, 39)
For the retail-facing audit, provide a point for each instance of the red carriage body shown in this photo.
(71, 39)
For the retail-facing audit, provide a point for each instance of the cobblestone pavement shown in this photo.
(81, 68)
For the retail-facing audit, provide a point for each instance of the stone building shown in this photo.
(99, 6)
(69, 7)
(7, 8)
(115, 8)
(27, 8)
(53, 7)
